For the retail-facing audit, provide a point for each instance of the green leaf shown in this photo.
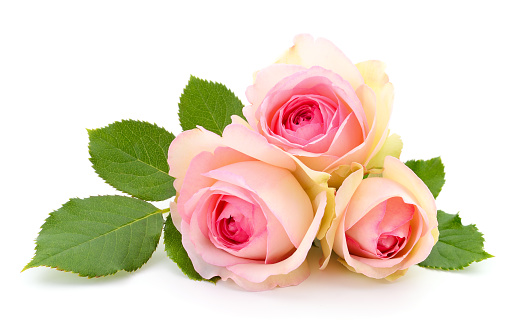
(131, 156)
(176, 252)
(391, 147)
(432, 172)
(458, 245)
(207, 104)
(99, 236)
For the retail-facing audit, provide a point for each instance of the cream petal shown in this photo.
(309, 52)
(185, 147)
(252, 144)
(292, 278)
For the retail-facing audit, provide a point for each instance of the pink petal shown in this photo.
(398, 213)
(396, 171)
(258, 273)
(365, 231)
(265, 180)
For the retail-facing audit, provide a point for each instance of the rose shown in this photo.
(247, 211)
(317, 105)
(383, 225)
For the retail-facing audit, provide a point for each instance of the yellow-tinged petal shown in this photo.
(329, 214)
(396, 275)
(315, 182)
(372, 72)
(435, 234)
(392, 147)
(344, 193)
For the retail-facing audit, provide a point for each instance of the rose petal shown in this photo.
(309, 52)
(264, 81)
(398, 213)
(185, 147)
(263, 180)
(292, 278)
(257, 273)
(366, 230)
(396, 171)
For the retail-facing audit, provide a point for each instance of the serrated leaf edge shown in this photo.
(90, 131)
(227, 117)
(95, 276)
(426, 160)
(457, 220)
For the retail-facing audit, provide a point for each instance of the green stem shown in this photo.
(165, 210)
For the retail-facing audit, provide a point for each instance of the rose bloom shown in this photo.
(317, 105)
(247, 211)
(383, 225)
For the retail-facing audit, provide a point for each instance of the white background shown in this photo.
(459, 71)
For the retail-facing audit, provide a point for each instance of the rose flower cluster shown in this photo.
(309, 164)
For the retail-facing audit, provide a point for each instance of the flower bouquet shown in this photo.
(308, 162)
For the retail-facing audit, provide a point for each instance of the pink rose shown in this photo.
(317, 105)
(383, 225)
(247, 211)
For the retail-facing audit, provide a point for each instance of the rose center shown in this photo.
(232, 230)
(303, 116)
(388, 245)
(231, 222)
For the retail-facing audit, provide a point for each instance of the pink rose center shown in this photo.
(232, 223)
(232, 230)
(305, 118)
(388, 245)
(383, 232)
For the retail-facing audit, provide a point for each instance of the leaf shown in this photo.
(131, 156)
(207, 104)
(176, 252)
(458, 245)
(99, 236)
(432, 172)
(391, 147)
